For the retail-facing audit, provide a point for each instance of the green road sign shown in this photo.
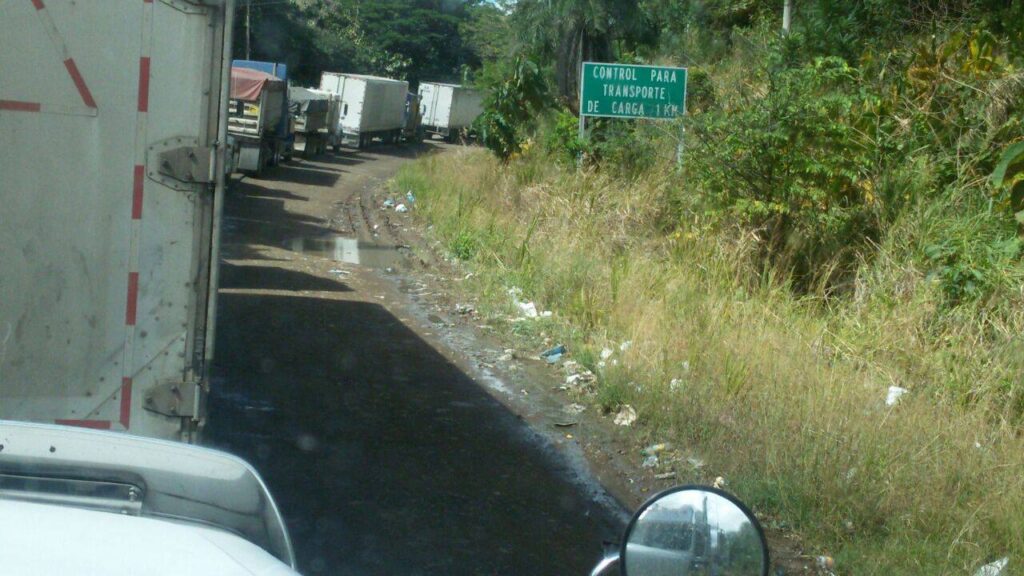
(631, 91)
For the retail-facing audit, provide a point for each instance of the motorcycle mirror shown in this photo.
(690, 530)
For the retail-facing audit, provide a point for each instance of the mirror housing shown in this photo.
(691, 530)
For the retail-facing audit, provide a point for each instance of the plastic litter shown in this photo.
(675, 384)
(389, 203)
(625, 345)
(527, 309)
(655, 449)
(507, 355)
(626, 416)
(410, 197)
(719, 483)
(575, 408)
(606, 353)
(894, 394)
(465, 309)
(665, 476)
(695, 462)
(401, 208)
(993, 568)
(554, 354)
(339, 271)
(650, 462)
(825, 562)
(580, 378)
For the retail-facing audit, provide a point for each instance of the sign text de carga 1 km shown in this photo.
(631, 91)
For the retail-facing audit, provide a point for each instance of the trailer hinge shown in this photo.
(180, 163)
(172, 398)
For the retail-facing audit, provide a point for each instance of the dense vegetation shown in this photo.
(849, 217)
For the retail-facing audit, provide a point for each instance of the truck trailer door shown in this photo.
(109, 115)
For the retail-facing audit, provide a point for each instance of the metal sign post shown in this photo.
(610, 90)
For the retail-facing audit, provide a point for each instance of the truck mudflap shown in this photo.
(124, 474)
(109, 112)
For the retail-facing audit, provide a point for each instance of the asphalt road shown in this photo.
(384, 456)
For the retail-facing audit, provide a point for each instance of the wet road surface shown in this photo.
(384, 456)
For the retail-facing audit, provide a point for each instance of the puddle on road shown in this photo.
(348, 250)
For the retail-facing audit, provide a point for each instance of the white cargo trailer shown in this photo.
(111, 184)
(371, 107)
(448, 109)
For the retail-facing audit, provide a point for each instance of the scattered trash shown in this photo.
(650, 462)
(625, 345)
(626, 416)
(606, 353)
(697, 463)
(507, 355)
(575, 408)
(410, 198)
(825, 562)
(569, 436)
(547, 314)
(893, 396)
(401, 208)
(527, 309)
(719, 483)
(655, 449)
(993, 568)
(585, 377)
(465, 309)
(389, 203)
(553, 355)
(339, 271)
(665, 476)
(570, 367)
(567, 424)
(675, 384)
(685, 365)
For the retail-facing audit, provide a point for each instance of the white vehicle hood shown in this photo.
(49, 539)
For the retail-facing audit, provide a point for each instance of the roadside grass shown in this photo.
(783, 396)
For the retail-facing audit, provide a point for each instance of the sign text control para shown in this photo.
(632, 91)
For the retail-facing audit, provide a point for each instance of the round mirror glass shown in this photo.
(694, 531)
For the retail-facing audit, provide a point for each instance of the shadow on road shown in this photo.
(270, 278)
(384, 456)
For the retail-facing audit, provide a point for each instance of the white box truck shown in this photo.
(448, 109)
(111, 185)
(371, 107)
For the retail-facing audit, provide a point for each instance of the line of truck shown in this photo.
(120, 124)
(267, 115)
(110, 242)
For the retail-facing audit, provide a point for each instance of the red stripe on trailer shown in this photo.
(137, 185)
(133, 298)
(19, 106)
(144, 84)
(38, 4)
(76, 77)
(94, 424)
(126, 401)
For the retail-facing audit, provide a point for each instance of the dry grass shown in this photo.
(781, 396)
